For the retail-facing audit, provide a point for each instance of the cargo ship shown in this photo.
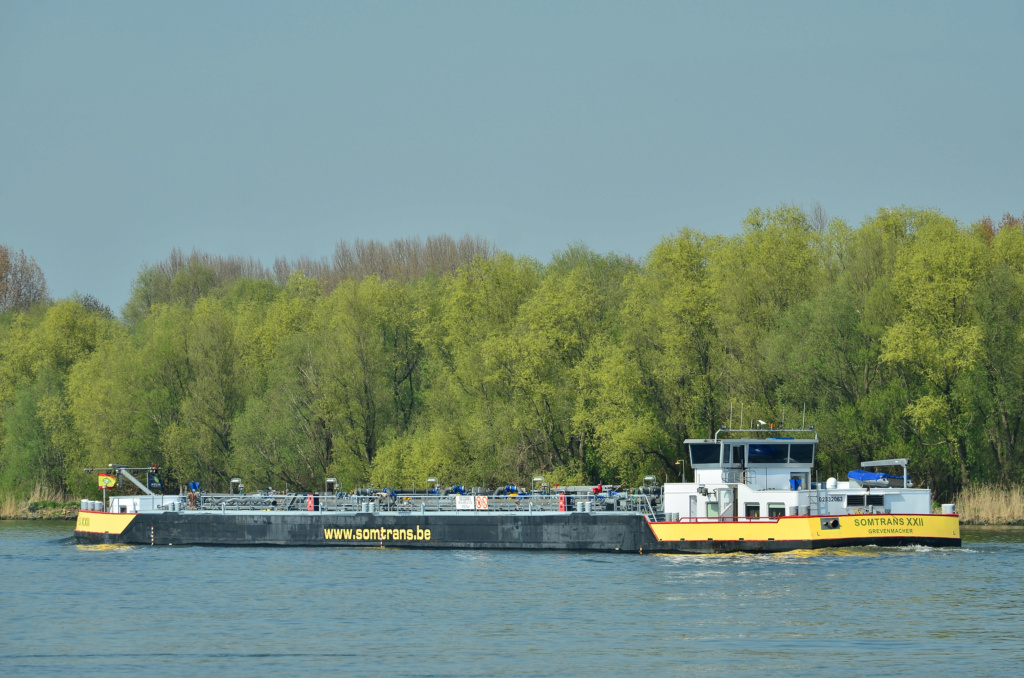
(752, 492)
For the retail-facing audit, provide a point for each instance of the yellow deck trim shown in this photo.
(808, 528)
(112, 523)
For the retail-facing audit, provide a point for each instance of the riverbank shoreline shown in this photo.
(974, 523)
(41, 504)
(36, 507)
(42, 513)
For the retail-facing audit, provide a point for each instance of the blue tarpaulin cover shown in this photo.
(870, 475)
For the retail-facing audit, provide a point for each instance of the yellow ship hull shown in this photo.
(99, 523)
(805, 532)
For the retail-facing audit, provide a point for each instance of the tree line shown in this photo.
(394, 362)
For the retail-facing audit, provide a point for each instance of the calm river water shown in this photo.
(143, 611)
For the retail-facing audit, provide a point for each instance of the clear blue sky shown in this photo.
(275, 129)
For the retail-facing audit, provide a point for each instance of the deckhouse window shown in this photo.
(776, 510)
(753, 510)
(712, 509)
(705, 453)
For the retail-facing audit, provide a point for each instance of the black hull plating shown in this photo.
(572, 532)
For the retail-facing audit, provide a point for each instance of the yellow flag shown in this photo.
(106, 480)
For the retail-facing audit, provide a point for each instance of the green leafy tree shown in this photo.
(779, 260)
(40, 440)
(286, 435)
(198, 443)
(935, 339)
(35, 440)
(615, 405)
(465, 332)
(662, 380)
(828, 352)
(999, 380)
(370, 363)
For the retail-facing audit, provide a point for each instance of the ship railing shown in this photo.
(420, 503)
(644, 506)
(741, 476)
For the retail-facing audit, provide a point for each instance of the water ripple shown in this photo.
(123, 611)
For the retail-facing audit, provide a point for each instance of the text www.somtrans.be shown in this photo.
(377, 534)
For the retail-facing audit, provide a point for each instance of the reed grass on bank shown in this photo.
(991, 505)
(14, 507)
(11, 507)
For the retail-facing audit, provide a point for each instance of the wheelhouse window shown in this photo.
(801, 453)
(768, 453)
(752, 510)
(705, 453)
(776, 510)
